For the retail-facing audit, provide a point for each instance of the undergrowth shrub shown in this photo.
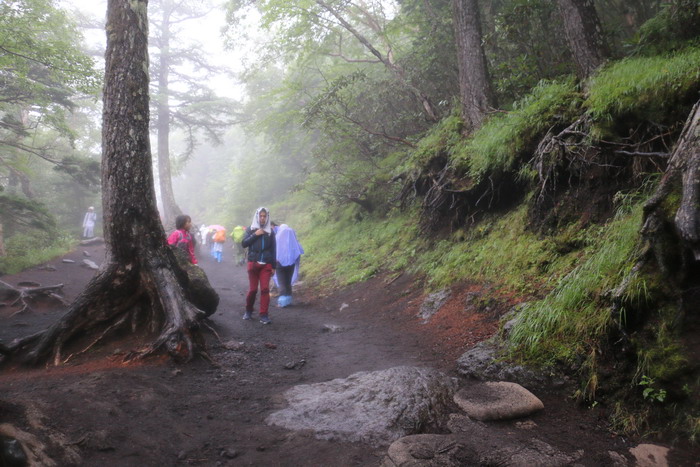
(649, 87)
(498, 144)
(575, 315)
(26, 250)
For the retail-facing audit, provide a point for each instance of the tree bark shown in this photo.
(683, 168)
(139, 286)
(167, 197)
(583, 35)
(475, 93)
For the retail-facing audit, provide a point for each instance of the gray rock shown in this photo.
(429, 450)
(66, 260)
(372, 407)
(432, 304)
(90, 264)
(497, 400)
(459, 450)
(481, 363)
(85, 253)
(332, 328)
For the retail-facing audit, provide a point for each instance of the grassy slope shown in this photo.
(571, 318)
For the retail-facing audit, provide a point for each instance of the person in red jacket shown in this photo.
(182, 238)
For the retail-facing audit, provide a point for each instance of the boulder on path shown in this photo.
(650, 455)
(199, 291)
(497, 400)
(373, 407)
(456, 450)
(429, 450)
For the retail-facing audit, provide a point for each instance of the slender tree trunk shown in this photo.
(167, 196)
(475, 92)
(394, 68)
(140, 285)
(583, 35)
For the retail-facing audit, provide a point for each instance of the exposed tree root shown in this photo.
(121, 298)
(28, 293)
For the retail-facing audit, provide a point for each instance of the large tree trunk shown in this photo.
(140, 286)
(475, 92)
(583, 35)
(167, 197)
(684, 169)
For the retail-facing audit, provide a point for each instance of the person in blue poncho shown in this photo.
(289, 253)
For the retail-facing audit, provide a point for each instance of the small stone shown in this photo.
(343, 306)
(270, 345)
(332, 328)
(176, 372)
(229, 453)
(69, 261)
(90, 264)
(85, 253)
(233, 345)
(526, 425)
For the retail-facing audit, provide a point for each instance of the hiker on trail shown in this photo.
(182, 238)
(203, 234)
(89, 222)
(289, 252)
(238, 250)
(217, 248)
(260, 241)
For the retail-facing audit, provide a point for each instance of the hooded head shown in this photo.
(91, 208)
(255, 225)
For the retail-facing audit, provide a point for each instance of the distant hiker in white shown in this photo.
(89, 222)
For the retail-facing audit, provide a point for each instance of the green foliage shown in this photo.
(504, 138)
(650, 392)
(648, 88)
(441, 140)
(346, 250)
(17, 210)
(572, 318)
(30, 249)
(672, 28)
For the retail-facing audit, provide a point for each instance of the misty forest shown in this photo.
(498, 202)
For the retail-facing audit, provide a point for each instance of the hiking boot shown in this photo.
(265, 320)
(247, 315)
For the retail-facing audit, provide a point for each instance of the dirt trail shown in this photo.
(160, 413)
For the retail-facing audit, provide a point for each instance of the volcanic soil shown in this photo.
(95, 410)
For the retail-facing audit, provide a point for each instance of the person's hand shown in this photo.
(259, 232)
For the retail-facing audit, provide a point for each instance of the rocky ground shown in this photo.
(94, 410)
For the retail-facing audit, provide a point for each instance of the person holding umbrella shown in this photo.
(260, 241)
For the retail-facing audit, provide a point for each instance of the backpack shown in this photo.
(220, 236)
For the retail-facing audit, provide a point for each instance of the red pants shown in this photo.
(258, 273)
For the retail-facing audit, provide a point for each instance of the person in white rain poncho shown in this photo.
(89, 222)
(289, 252)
